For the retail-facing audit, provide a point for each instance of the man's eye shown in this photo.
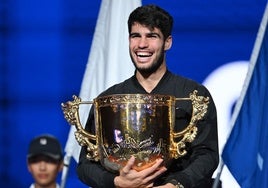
(152, 36)
(134, 36)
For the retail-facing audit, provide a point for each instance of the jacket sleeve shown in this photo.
(90, 172)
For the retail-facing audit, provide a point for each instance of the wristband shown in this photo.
(176, 183)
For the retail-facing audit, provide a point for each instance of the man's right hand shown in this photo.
(130, 178)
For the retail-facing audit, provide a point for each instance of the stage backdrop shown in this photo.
(44, 50)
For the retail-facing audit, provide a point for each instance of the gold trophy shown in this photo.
(139, 125)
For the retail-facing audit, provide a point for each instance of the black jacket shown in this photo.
(192, 170)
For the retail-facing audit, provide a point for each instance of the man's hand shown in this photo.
(168, 185)
(130, 178)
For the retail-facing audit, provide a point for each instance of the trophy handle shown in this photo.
(200, 105)
(71, 114)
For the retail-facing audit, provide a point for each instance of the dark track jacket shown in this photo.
(195, 169)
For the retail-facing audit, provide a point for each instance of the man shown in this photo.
(45, 161)
(149, 38)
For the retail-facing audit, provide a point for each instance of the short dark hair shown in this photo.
(152, 16)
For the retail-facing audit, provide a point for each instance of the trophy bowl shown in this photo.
(139, 125)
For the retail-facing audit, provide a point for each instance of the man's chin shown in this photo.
(145, 71)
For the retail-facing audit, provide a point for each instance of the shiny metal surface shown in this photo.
(135, 124)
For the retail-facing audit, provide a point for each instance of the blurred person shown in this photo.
(150, 38)
(45, 161)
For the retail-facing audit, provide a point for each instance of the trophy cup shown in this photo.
(139, 125)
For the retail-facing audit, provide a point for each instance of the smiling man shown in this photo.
(45, 161)
(150, 38)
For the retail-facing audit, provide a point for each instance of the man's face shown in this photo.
(147, 48)
(44, 170)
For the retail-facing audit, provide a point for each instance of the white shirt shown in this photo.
(32, 186)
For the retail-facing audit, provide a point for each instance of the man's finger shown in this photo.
(154, 168)
(129, 165)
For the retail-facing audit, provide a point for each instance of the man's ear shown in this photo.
(60, 166)
(29, 167)
(168, 43)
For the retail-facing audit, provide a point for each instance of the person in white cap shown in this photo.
(45, 161)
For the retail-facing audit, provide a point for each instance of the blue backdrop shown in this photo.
(44, 50)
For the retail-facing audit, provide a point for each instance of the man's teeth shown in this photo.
(143, 54)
